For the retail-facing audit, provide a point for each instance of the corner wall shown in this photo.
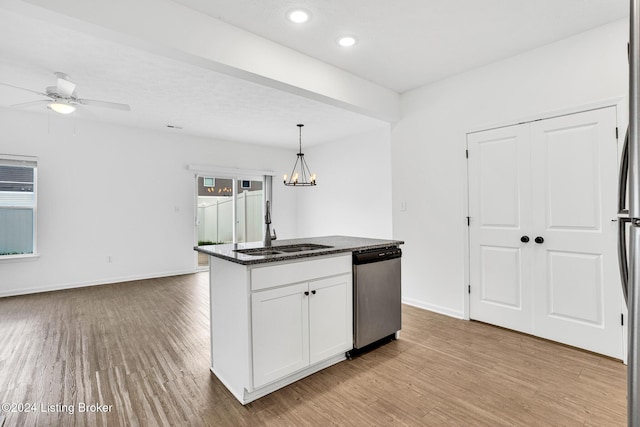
(108, 191)
(428, 143)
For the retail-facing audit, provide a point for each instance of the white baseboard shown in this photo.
(110, 280)
(435, 308)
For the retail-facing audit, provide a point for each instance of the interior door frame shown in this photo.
(621, 105)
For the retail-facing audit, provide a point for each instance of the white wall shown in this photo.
(112, 191)
(353, 195)
(428, 146)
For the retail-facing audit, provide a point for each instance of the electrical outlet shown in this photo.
(403, 206)
(109, 259)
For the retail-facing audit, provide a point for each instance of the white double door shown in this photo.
(543, 255)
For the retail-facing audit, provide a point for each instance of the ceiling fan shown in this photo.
(63, 97)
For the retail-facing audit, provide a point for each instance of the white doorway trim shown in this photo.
(225, 172)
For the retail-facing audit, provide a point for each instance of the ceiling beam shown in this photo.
(173, 30)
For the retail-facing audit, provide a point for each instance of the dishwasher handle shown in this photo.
(376, 255)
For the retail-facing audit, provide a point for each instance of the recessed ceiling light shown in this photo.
(347, 41)
(299, 16)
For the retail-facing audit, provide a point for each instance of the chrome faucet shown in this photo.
(268, 237)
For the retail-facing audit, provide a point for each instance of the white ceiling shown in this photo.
(161, 91)
(403, 44)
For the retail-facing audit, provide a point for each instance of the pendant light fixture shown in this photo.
(300, 175)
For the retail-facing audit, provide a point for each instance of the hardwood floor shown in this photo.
(143, 348)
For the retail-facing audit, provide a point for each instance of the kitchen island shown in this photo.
(281, 313)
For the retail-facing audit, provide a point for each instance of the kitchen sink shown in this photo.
(302, 247)
(278, 250)
(258, 251)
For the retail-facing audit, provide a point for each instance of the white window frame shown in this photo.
(25, 161)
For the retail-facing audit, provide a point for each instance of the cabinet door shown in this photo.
(330, 317)
(280, 332)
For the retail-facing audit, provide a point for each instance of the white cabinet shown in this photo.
(280, 335)
(273, 324)
(299, 325)
(330, 317)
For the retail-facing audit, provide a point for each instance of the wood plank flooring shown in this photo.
(143, 348)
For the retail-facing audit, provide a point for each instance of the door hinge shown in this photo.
(469, 289)
(622, 319)
(468, 221)
(466, 153)
(616, 132)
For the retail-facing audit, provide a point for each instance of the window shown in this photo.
(230, 211)
(228, 216)
(18, 177)
(250, 200)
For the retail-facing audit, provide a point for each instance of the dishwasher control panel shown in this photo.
(376, 255)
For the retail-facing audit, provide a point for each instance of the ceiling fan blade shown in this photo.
(30, 103)
(65, 87)
(104, 104)
(21, 88)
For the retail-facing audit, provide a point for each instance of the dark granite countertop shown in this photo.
(338, 244)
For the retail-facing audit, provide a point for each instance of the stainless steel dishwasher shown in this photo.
(376, 295)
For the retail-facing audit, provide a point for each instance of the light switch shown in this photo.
(403, 206)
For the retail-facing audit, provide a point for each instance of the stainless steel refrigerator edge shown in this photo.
(631, 160)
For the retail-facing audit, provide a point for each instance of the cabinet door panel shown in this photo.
(280, 332)
(330, 317)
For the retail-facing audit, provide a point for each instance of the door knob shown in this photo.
(306, 293)
(524, 239)
(539, 239)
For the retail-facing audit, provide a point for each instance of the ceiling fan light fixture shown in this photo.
(63, 97)
(61, 107)
(298, 16)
